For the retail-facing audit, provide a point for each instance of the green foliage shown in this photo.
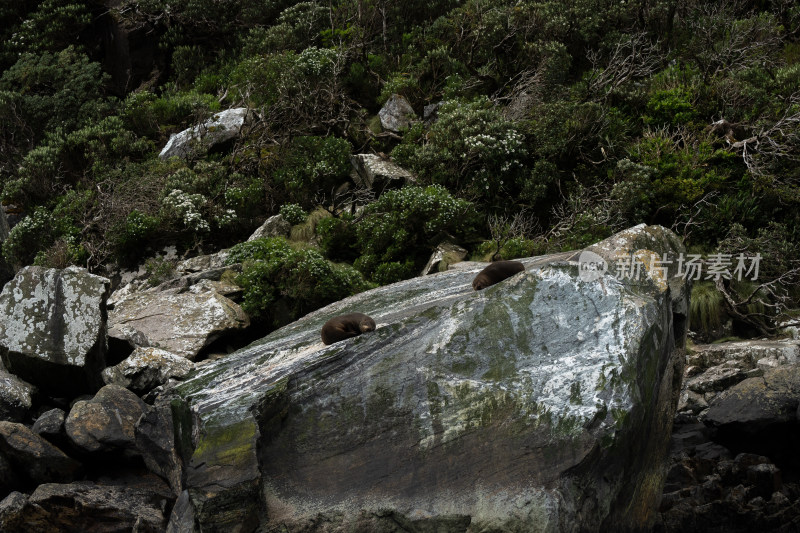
(276, 275)
(53, 25)
(670, 106)
(134, 232)
(64, 160)
(311, 164)
(52, 90)
(337, 238)
(402, 225)
(293, 213)
(471, 149)
(705, 307)
(154, 116)
(31, 235)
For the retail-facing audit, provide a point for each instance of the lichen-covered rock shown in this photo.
(146, 369)
(85, 506)
(34, 459)
(223, 126)
(107, 421)
(274, 226)
(53, 328)
(180, 321)
(379, 174)
(543, 403)
(16, 397)
(397, 114)
(443, 256)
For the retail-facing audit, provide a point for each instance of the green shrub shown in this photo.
(309, 165)
(402, 225)
(705, 307)
(293, 213)
(337, 238)
(471, 150)
(277, 276)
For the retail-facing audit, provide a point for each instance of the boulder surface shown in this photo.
(53, 332)
(543, 403)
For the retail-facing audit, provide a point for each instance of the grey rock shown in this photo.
(221, 127)
(155, 442)
(85, 506)
(274, 226)
(746, 354)
(758, 402)
(379, 174)
(50, 424)
(397, 114)
(541, 402)
(16, 397)
(430, 112)
(33, 458)
(180, 321)
(53, 332)
(716, 378)
(443, 256)
(106, 422)
(146, 369)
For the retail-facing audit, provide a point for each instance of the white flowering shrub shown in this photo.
(186, 207)
(471, 149)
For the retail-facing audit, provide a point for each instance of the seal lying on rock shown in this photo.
(343, 327)
(496, 272)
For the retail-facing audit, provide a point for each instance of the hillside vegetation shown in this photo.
(558, 123)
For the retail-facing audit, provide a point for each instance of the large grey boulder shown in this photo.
(53, 328)
(16, 397)
(542, 403)
(106, 422)
(397, 114)
(379, 173)
(86, 506)
(177, 320)
(223, 126)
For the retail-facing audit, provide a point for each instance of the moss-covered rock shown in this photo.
(543, 403)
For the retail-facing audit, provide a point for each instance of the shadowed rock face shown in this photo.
(542, 403)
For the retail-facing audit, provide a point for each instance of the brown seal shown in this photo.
(496, 272)
(343, 327)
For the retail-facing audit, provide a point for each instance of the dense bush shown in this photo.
(280, 279)
(396, 233)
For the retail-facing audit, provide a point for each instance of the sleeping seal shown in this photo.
(343, 327)
(496, 272)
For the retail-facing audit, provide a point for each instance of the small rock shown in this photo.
(765, 478)
(50, 424)
(84, 506)
(379, 174)
(107, 421)
(146, 369)
(274, 226)
(33, 458)
(221, 127)
(16, 397)
(397, 114)
(445, 255)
